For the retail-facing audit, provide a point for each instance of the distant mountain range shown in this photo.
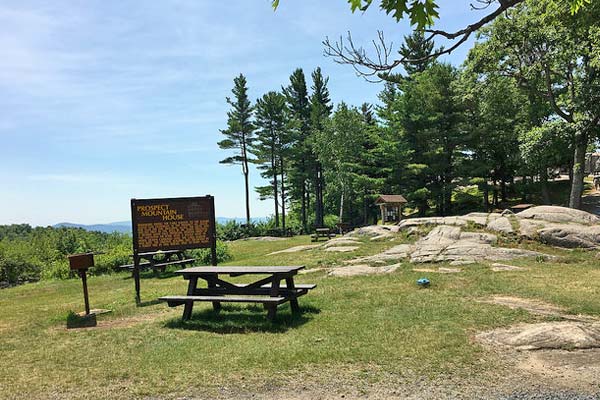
(125, 226)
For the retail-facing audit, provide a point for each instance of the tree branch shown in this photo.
(345, 52)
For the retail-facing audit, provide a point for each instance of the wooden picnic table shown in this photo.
(322, 233)
(153, 260)
(268, 290)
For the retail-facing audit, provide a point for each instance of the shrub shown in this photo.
(203, 256)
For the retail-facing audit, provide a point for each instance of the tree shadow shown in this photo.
(236, 319)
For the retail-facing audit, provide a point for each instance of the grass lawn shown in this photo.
(363, 328)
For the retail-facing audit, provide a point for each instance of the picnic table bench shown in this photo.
(170, 257)
(269, 291)
(322, 233)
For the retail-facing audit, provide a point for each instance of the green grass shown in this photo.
(370, 327)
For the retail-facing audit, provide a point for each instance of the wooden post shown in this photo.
(136, 277)
(213, 222)
(83, 274)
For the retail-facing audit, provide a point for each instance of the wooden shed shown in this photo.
(391, 207)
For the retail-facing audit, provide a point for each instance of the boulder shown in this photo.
(570, 236)
(374, 231)
(501, 224)
(445, 243)
(559, 214)
(341, 241)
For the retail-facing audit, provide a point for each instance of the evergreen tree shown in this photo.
(416, 48)
(239, 134)
(320, 108)
(296, 94)
(269, 146)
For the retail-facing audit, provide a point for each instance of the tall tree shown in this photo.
(269, 145)
(296, 94)
(320, 108)
(553, 55)
(239, 133)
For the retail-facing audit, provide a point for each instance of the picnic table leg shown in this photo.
(274, 293)
(187, 310)
(216, 304)
(289, 282)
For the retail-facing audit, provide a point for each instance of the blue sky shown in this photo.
(102, 101)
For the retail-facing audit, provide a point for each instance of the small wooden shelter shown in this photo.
(391, 207)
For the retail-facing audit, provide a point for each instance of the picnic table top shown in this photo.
(322, 229)
(235, 269)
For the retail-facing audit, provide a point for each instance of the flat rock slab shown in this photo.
(363, 269)
(559, 214)
(343, 241)
(398, 252)
(263, 239)
(341, 249)
(295, 249)
(497, 267)
(374, 231)
(441, 270)
(546, 335)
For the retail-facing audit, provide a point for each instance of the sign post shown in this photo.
(81, 263)
(171, 224)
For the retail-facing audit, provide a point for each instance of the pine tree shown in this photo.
(416, 48)
(320, 108)
(296, 94)
(271, 121)
(239, 134)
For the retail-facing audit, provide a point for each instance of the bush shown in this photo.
(203, 256)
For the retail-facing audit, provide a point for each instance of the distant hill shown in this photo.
(125, 226)
(121, 227)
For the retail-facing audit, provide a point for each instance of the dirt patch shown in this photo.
(532, 306)
(545, 335)
(577, 369)
(125, 322)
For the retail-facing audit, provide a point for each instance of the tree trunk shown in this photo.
(246, 173)
(486, 194)
(544, 187)
(578, 171)
(247, 196)
(282, 195)
(341, 207)
(275, 189)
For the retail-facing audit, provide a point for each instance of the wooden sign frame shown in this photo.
(160, 215)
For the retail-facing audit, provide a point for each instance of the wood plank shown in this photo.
(223, 299)
(175, 262)
(234, 269)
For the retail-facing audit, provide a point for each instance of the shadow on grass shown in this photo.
(148, 303)
(150, 274)
(235, 319)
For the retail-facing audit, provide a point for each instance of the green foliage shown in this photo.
(30, 254)
(203, 256)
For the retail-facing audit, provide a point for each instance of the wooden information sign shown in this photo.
(80, 263)
(172, 224)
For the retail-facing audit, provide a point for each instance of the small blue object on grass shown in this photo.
(423, 282)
